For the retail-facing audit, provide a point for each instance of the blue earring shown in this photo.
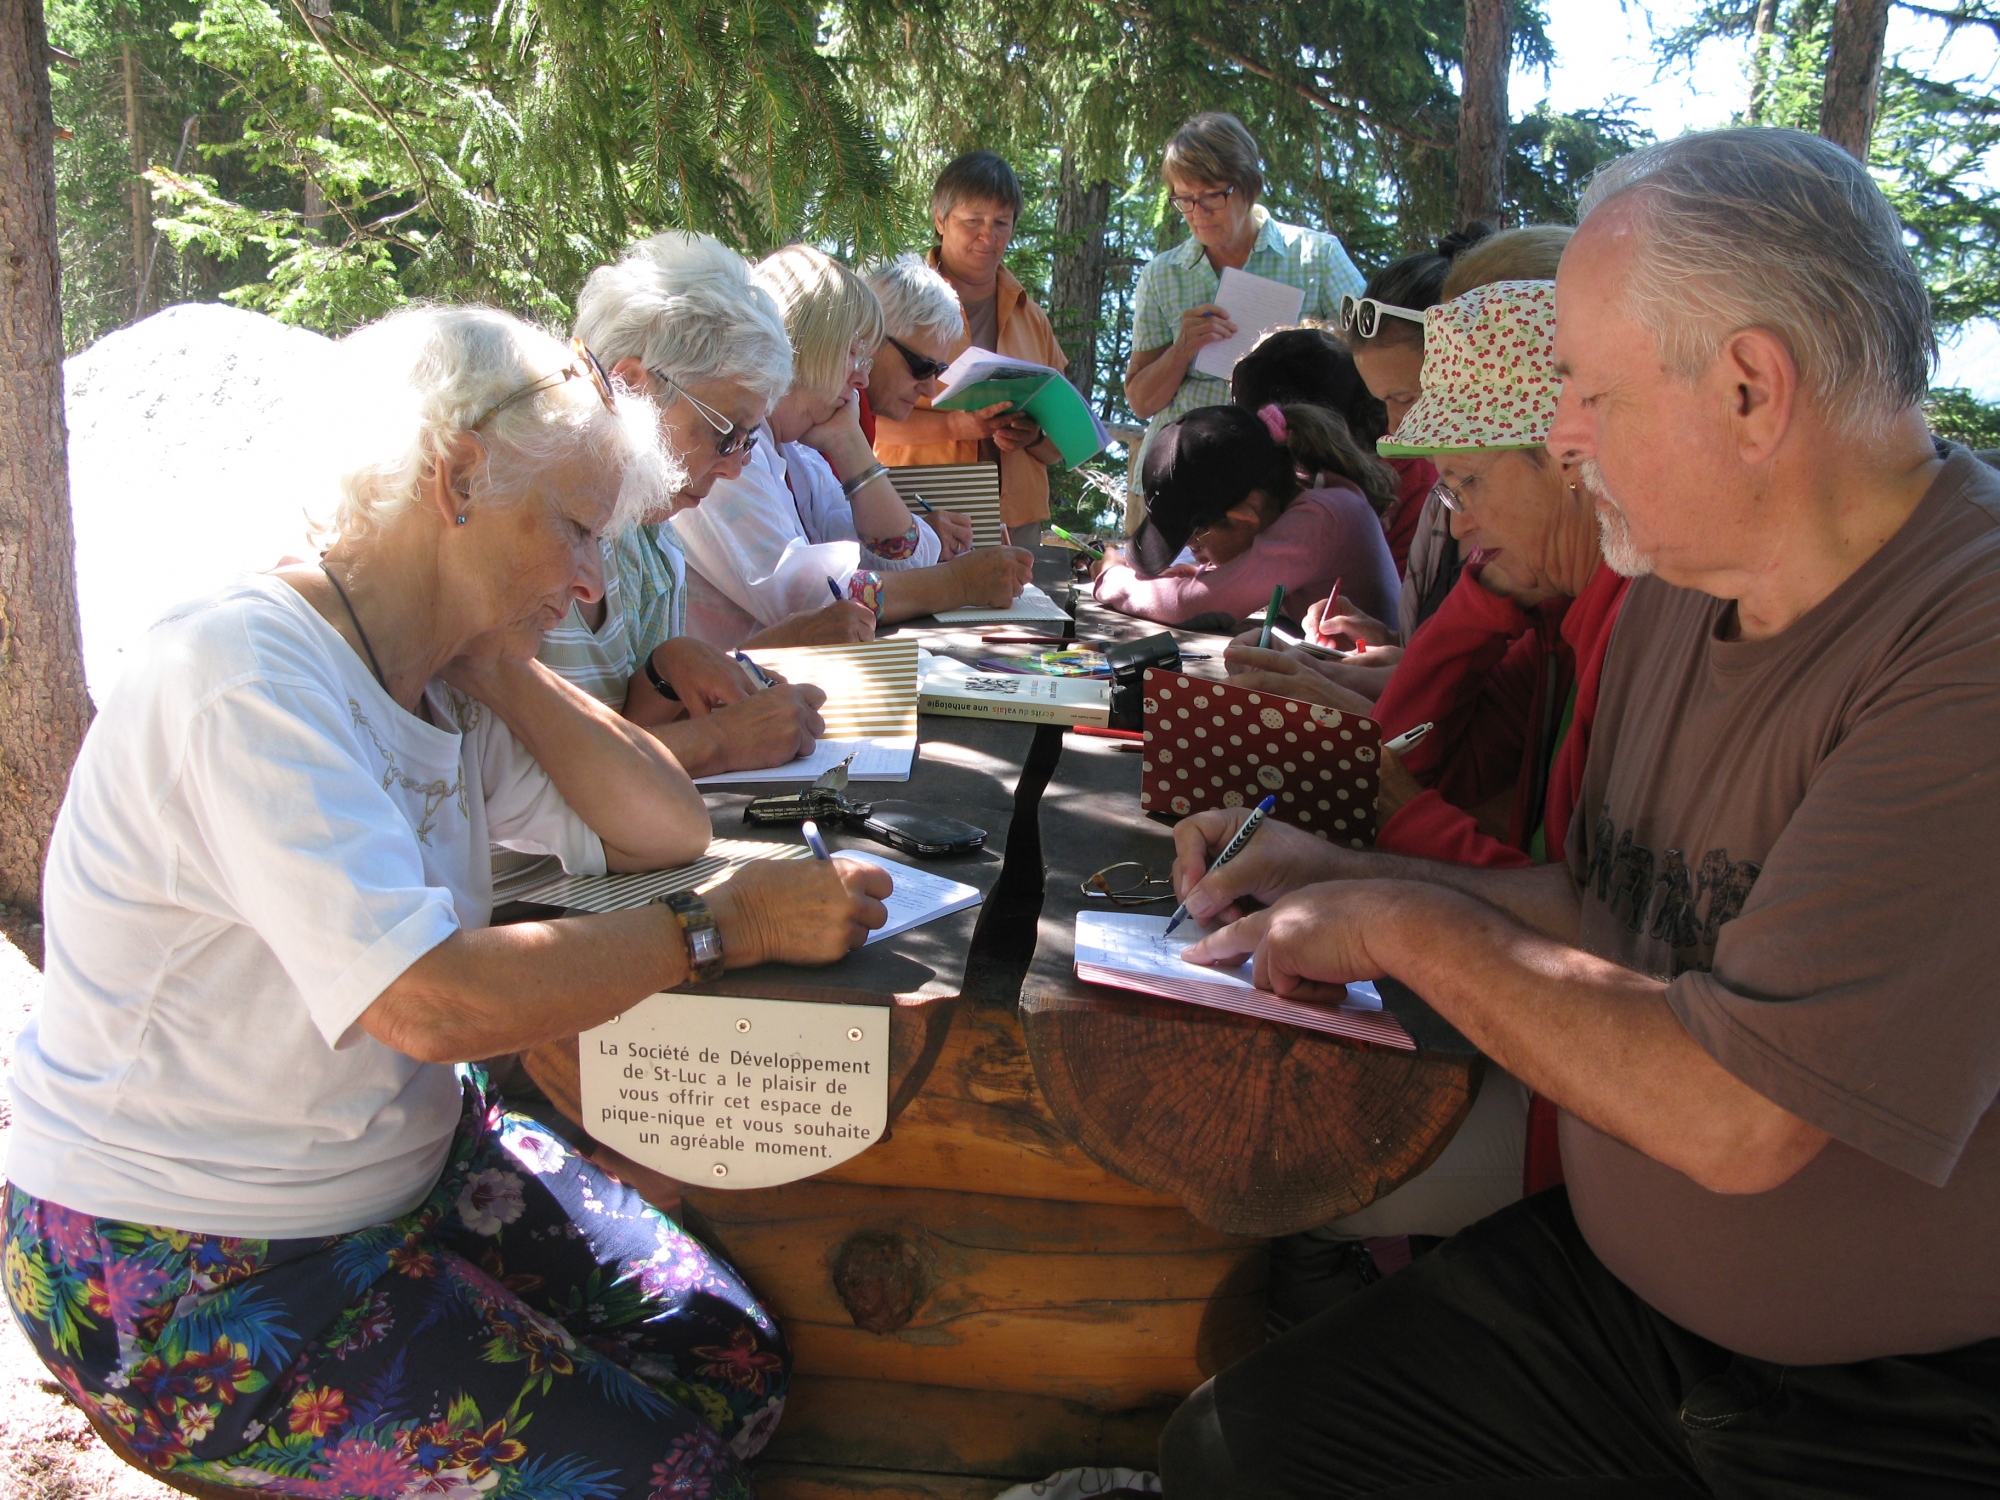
(461, 520)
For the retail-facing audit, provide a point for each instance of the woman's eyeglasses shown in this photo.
(1207, 202)
(1127, 883)
(731, 439)
(1364, 315)
(922, 367)
(1449, 498)
(583, 367)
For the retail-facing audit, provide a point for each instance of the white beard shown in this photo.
(1614, 533)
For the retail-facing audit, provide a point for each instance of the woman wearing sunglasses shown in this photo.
(256, 1225)
(975, 205)
(814, 510)
(1213, 178)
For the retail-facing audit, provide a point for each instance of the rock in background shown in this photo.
(188, 435)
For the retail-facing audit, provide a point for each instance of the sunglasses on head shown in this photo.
(730, 438)
(583, 367)
(1364, 315)
(922, 366)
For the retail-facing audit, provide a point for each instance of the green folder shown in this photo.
(1044, 394)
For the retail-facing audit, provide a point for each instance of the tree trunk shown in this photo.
(1482, 111)
(43, 707)
(1076, 282)
(135, 192)
(1854, 75)
(1763, 36)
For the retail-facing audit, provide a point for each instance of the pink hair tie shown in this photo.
(1274, 420)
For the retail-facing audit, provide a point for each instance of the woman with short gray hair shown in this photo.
(259, 1229)
(1213, 178)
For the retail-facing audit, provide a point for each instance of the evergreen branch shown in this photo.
(409, 151)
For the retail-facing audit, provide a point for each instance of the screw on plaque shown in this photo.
(721, 1170)
(854, 1033)
(742, 1025)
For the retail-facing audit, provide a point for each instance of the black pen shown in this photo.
(1230, 850)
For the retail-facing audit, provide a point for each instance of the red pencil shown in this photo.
(1327, 609)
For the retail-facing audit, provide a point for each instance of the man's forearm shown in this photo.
(1543, 899)
(1597, 1038)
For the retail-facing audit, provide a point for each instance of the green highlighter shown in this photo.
(1271, 614)
(1076, 541)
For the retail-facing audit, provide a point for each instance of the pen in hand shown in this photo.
(818, 845)
(834, 589)
(755, 670)
(1229, 851)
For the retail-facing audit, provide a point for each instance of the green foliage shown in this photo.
(1934, 146)
(1956, 414)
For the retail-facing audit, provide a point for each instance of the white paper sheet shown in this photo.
(919, 897)
(1032, 605)
(874, 760)
(1256, 305)
(1135, 943)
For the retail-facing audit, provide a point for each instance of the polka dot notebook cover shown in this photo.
(1213, 744)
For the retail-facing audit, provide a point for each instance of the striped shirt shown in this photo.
(645, 603)
(1175, 280)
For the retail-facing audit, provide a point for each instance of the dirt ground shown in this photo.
(47, 1450)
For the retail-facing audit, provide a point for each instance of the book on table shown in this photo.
(870, 710)
(1214, 744)
(979, 378)
(949, 686)
(1131, 951)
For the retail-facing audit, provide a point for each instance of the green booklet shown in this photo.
(979, 378)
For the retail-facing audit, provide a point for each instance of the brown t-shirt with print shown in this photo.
(1803, 835)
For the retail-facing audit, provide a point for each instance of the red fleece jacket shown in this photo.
(1496, 680)
(1415, 478)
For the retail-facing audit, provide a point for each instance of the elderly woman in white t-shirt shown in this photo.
(255, 1225)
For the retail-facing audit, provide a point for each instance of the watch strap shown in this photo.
(660, 684)
(704, 939)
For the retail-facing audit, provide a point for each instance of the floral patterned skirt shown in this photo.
(532, 1329)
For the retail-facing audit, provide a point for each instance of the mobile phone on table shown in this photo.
(919, 831)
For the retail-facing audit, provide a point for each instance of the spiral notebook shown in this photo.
(870, 710)
(1130, 951)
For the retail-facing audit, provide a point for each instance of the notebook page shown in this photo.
(1032, 605)
(919, 897)
(1135, 943)
(1256, 305)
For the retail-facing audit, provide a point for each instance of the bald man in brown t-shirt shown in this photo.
(1765, 986)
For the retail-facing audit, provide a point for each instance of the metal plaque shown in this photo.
(736, 1093)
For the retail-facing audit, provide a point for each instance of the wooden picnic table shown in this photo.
(1016, 1278)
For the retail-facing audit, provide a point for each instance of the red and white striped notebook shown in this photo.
(1132, 952)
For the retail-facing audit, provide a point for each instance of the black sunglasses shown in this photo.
(921, 366)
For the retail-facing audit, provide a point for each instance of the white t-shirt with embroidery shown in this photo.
(255, 843)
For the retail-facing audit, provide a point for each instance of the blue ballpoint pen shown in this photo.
(811, 830)
(755, 670)
(1229, 851)
(834, 589)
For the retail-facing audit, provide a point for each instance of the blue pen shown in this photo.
(923, 502)
(834, 589)
(755, 670)
(811, 830)
(1230, 850)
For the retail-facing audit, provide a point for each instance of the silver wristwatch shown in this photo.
(704, 940)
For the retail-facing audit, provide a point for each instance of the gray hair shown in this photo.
(1775, 229)
(684, 305)
(411, 383)
(916, 301)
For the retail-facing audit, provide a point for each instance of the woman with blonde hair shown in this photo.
(813, 509)
(257, 1225)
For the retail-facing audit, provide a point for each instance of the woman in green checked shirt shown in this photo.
(1211, 170)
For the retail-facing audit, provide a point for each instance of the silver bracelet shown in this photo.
(848, 487)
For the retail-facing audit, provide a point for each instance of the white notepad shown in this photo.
(919, 896)
(1256, 305)
(1032, 605)
(870, 710)
(1131, 951)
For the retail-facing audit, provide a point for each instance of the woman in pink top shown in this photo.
(1225, 484)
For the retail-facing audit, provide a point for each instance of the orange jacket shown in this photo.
(1025, 332)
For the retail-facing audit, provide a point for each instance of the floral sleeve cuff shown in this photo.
(895, 548)
(865, 588)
